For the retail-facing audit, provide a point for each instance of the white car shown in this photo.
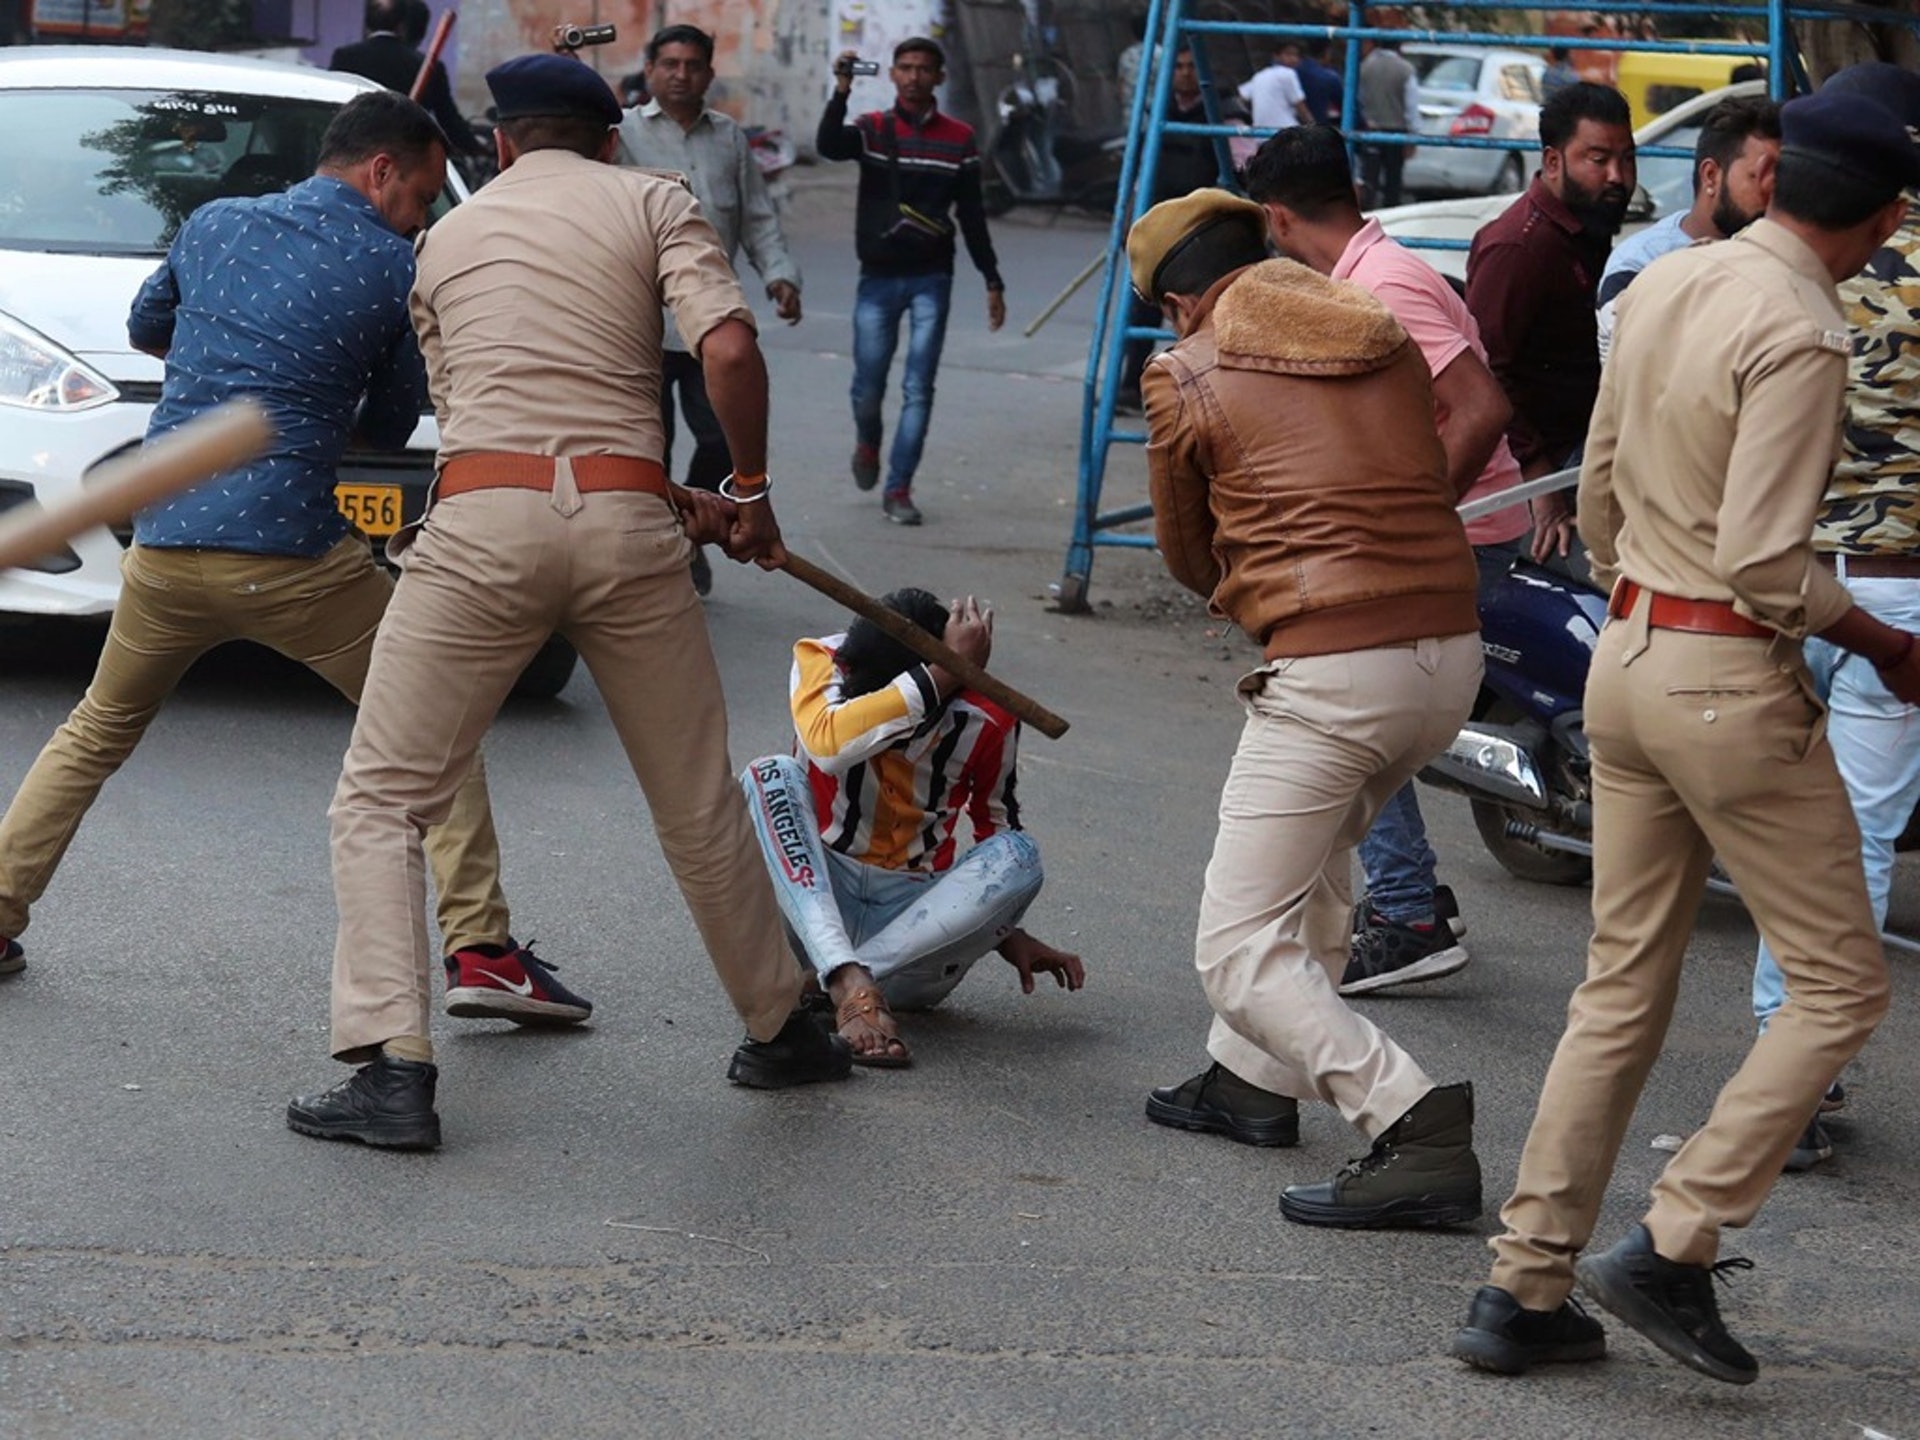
(1475, 92)
(103, 152)
(1665, 185)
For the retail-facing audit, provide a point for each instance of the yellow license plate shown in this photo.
(373, 509)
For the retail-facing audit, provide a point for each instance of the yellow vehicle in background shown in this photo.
(1655, 83)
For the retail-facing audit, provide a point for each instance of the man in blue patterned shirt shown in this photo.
(300, 301)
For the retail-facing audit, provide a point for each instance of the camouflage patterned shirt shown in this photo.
(1873, 503)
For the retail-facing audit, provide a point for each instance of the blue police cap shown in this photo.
(1898, 90)
(551, 85)
(1853, 134)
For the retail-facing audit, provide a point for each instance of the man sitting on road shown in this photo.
(263, 553)
(859, 834)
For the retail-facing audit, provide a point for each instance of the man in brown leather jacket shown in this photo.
(1299, 483)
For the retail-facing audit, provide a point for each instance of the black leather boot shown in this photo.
(388, 1103)
(1421, 1171)
(1219, 1102)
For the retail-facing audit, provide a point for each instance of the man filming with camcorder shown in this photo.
(919, 175)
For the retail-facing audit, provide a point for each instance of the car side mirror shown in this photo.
(1640, 208)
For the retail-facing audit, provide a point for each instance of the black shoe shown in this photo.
(1669, 1303)
(1502, 1337)
(900, 509)
(1813, 1146)
(800, 1054)
(12, 958)
(1834, 1100)
(388, 1103)
(866, 466)
(702, 572)
(1421, 1171)
(1446, 911)
(1385, 954)
(1219, 1102)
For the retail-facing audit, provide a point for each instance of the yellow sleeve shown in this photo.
(838, 733)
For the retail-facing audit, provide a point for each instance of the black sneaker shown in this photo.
(801, 1054)
(701, 571)
(1219, 1102)
(1502, 1337)
(1446, 911)
(900, 509)
(1385, 954)
(1671, 1304)
(1834, 1100)
(1813, 1146)
(12, 958)
(866, 467)
(388, 1103)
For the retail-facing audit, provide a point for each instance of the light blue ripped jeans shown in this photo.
(917, 934)
(1876, 744)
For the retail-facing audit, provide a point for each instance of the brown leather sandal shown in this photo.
(868, 1006)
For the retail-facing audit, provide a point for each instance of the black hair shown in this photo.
(1752, 70)
(1725, 131)
(1559, 52)
(1304, 168)
(384, 14)
(1318, 47)
(415, 18)
(1218, 248)
(870, 658)
(920, 44)
(581, 134)
(681, 35)
(1812, 189)
(1571, 104)
(380, 122)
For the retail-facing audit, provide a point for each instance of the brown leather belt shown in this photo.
(1699, 617)
(1874, 567)
(502, 470)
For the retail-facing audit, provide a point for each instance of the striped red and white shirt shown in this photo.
(893, 770)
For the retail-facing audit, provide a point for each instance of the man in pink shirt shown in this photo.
(1408, 928)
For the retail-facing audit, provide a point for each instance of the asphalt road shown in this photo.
(615, 1242)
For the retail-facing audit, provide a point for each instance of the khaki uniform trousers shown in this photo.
(1702, 745)
(174, 606)
(1328, 740)
(491, 576)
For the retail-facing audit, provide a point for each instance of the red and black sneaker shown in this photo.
(12, 958)
(510, 982)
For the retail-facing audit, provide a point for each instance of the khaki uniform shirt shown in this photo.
(1717, 428)
(538, 306)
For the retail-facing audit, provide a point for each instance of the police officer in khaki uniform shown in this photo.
(539, 309)
(1712, 443)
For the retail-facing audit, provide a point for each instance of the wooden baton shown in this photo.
(434, 46)
(926, 646)
(222, 438)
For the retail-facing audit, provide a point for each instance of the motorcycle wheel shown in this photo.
(1523, 859)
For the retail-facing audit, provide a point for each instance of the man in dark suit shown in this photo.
(391, 55)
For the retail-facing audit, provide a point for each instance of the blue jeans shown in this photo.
(1394, 854)
(1876, 744)
(916, 933)
(879, 303)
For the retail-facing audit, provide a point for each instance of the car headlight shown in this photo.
(36, 374)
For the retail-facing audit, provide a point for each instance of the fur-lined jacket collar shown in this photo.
(1283, 317)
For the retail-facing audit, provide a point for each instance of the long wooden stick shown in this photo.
(926, 646)
(441, 27)
(1065, 295)
(218, 440)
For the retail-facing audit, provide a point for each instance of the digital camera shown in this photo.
(572, 37)
(858, 67)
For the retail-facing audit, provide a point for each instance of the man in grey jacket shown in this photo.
(676, 131)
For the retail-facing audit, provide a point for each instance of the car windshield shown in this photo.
(114, 172)
(1668, 179)
(1448, 72)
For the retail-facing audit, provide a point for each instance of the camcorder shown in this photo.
(856, 67)
(569, 38)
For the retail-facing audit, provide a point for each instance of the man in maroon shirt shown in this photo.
(1531, 279)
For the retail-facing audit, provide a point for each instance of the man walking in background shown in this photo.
(391, 56)
(919, 175)
(676, 131)
(1389, 102)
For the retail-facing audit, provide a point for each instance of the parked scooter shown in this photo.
(1036, 158)
(1522, 758)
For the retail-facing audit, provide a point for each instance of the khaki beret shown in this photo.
(1164, 230)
